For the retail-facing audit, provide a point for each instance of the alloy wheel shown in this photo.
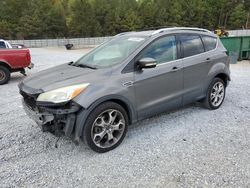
(108, 128)
(217, 94)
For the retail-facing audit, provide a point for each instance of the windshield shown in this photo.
(111, 52)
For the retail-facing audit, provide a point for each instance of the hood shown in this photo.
(65, 75)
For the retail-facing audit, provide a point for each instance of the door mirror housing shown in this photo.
(147, 63)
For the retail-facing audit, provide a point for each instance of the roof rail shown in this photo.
(124, 33)
(180, 28)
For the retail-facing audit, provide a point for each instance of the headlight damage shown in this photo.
(57, 118)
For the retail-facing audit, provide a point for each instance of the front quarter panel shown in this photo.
(112, 88)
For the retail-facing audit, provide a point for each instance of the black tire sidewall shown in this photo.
(90, 120)
(210, 105)
(7, 75)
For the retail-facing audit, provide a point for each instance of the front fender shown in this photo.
(84, 113)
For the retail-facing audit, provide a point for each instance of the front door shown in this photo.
(159, 89)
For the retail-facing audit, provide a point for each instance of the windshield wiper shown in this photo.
(85, 66)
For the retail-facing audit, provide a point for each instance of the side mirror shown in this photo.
(147, 63)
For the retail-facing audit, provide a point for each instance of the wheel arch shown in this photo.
(125, 106)
(224, 77)
(219, 70)
(2, 63)
(84, 113)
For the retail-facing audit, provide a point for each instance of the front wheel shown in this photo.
(105, 127)
(215, 94)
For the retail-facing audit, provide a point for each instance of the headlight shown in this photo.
(64, 94)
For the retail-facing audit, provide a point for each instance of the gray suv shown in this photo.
(134, 76)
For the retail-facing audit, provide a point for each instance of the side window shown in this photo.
(209, 42)
(192, 45)
(162, 50)
(2, 44)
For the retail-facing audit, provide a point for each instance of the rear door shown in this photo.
(195, 67)
(159, 89)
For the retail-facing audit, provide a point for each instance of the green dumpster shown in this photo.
(239, 45)
(245, 50)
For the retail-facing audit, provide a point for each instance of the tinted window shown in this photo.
(2, 44)
(209, 42)
(163, 50)
(192, 45)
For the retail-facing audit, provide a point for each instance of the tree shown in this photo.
(238, 17)
(87, 18)
(82, 20)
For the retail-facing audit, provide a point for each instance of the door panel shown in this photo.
(195, 67)
(195, 73)
(159, 89)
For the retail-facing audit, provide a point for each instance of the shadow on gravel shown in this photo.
(141, 128)
(16, 78)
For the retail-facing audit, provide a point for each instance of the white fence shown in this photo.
(77, 42)
(239, 32)
(88, 42)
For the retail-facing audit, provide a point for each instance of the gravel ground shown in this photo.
(192, 147)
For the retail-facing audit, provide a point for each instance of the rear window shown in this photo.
(209, 42)
(192, 45)
(2, 44)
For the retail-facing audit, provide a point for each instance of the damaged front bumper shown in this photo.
(40, 118)
(59, 120)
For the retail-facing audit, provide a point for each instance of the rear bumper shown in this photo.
(31, 66)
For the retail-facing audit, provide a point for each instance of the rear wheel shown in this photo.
(4, 75)
(215, 94)
(105, 127)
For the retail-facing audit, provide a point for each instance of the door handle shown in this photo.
(175, 69)
(208, 60)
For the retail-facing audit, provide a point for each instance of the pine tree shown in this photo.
(238, 17)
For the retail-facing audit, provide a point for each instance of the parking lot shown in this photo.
(191, 147)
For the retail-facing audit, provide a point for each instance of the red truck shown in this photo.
(13, 60)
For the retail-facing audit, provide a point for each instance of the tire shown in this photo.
(210, 100)
(4, 75)
(98, 131)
